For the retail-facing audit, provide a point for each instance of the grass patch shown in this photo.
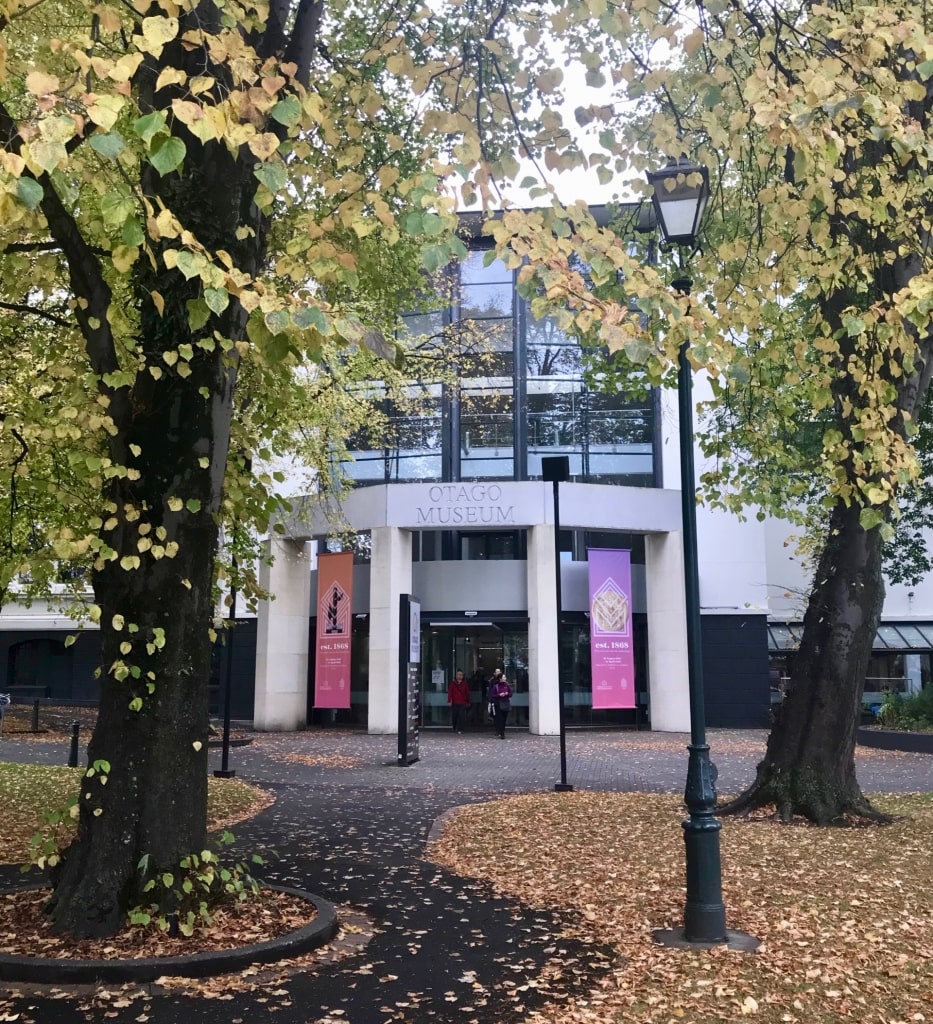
(845, 915)
(29, 791)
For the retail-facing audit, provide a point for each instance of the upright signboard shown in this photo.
(409, 679)
(334, 619)
(612, 650)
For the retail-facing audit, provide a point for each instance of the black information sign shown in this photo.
(409, 679)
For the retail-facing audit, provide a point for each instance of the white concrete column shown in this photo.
(390, 575)
(543, 689)
(669, 692)
(281, 698)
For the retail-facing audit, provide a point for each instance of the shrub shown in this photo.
(188, 895)
(910, 711)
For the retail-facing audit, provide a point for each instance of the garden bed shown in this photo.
(896, 739)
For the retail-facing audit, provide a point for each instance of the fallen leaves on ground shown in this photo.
(845, 915)
(25, 930)
(321, 760)
(28, 791)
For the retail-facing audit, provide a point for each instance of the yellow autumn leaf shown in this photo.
(264, 146)
(124, 256)
(58, 129)
(157, 31)
(105, 110)
(186, 111)
(125, 67)
(39, 83)
(170, 76)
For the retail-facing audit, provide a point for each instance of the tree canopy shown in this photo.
(210, 210)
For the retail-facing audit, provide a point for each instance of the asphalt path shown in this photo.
(350, 825)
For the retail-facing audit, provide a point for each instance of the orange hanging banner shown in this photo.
(334, 619)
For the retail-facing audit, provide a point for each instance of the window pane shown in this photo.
(482, 336)
(486, 300)
(487, 433)
(551, 351)
(473, 270)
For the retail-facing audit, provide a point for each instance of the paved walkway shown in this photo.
(351, 825)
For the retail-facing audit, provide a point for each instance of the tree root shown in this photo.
(793, 800)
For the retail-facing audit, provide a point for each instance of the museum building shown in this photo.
(449, 505)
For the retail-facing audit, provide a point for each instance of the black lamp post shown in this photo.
(557, 468)
(680, 195)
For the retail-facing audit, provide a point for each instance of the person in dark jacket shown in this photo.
(500, 701)
(458, 697)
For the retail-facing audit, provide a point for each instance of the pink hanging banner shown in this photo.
(612, 646)
(334, 618)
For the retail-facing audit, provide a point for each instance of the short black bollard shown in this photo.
(35, 715)
(73, 755)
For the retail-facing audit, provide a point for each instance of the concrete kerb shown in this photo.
(47, 970)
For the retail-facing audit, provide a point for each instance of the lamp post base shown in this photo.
(563, 787)
(675, 938)
(225, 773)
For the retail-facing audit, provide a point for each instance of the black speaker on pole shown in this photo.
(555, 468)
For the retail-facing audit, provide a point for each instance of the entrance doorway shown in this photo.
(477, 648)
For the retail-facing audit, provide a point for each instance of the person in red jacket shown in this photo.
(458, 697)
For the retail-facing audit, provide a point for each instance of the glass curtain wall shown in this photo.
(486, 329)
(515, 391)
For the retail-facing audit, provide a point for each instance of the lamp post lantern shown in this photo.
(680, 195)
(680, 192)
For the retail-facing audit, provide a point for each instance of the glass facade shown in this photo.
(513, 391)
(516, 392)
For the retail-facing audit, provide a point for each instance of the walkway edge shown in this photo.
(43, 970)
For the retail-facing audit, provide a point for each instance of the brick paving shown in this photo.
(476, 762)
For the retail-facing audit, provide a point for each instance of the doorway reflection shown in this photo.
(477, 648)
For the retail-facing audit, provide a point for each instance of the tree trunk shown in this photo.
(156, 595)
(157, 606)
(809, 765)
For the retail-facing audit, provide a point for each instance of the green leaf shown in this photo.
(198, 313)
(168, 879)
(277, 320)
(311, 316)
(29, 192)
(167, 155)
(869, 518)
(109, 146)
(150, 125)
(412, 222)
(217, 299)
(925, 69)
(191, 263)
(854, 325)
(193, 505)
(115, 208)
(132, 233)
(287, 111)
(273, 175)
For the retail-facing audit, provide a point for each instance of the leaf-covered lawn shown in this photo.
(845, 915)
(29, 791)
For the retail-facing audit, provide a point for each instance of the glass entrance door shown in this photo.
(478, 650)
